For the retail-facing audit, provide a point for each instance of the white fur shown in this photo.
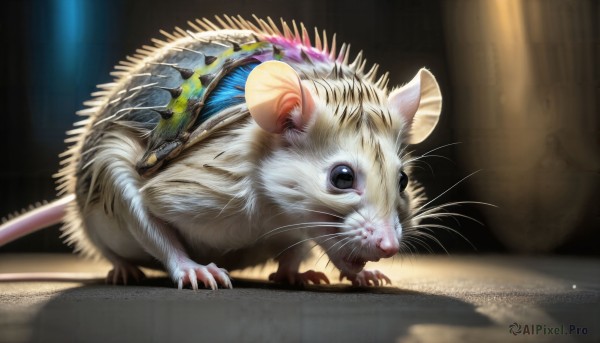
(243, 196)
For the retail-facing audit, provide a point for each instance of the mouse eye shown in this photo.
(403, 181)
(342, 177)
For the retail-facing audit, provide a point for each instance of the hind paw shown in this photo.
(188, 273)
(367, 278)
(122, 273)
(294, 278)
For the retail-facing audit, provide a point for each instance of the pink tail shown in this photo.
(41, 217)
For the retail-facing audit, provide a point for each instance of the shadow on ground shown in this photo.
(253, 311)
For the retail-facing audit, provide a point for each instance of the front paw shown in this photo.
(188, 273)
(366, 278)
(295, 278)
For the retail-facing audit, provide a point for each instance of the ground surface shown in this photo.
(433, 299)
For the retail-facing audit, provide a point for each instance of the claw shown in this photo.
(382, 276)
(189, 273)
(193, 280)
(121, 273)
(375, 281)
(316, 277)
(294, 278)
(220, 274)
(367, 278)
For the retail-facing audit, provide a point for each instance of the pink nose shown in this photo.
(389, 246)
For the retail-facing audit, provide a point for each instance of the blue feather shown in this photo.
(228, 92)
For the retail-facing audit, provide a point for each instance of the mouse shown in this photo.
(236, 142)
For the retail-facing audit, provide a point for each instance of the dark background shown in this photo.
(55, 52)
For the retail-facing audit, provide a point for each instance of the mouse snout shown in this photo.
(379, 234)
(388, 243)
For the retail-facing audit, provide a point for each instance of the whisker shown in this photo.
(418, 159)
(433, 238)
(349, 234)
(340, 247)
(438, 148)
(439, 226)
(404, 154)
(344, 241)
(298, 228)
(431, 212)
(227, 204)
(343, 245)
(351, 253)
(287, 209)
(404, 252)
(355, 252)
(302, 241)
(456, 203)
(315, 211)
(423, 244)
(277, 214)
(323, 253)
(420, 167)
(409, 245)
(302, 226)
(447, 190)
(323, 212)
(331, 247)
(424, 162)
(438, 215)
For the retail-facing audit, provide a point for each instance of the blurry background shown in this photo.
(521, 83)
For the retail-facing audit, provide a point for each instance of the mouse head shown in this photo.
(338, 167)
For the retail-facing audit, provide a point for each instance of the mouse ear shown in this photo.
(419, 102)
(276, 97)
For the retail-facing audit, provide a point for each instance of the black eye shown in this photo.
(403, 181)
(342, 177)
